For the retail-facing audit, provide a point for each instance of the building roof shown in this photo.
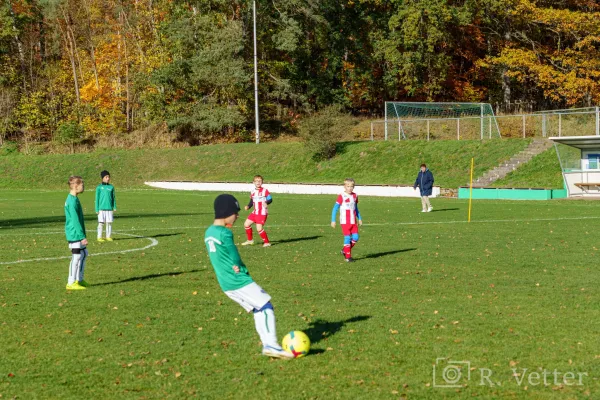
(580, 142)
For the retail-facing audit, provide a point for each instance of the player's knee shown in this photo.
(355, 237)
(267, 306)
(347, 239)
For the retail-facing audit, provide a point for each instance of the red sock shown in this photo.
(264, 236)
(347, 251)
(249, 232)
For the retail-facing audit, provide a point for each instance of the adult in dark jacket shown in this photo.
(425, 183)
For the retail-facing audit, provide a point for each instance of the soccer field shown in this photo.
(504, 307)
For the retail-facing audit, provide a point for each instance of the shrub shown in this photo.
(322, 131)
(69, 133)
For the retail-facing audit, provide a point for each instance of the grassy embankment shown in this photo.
(394, 163)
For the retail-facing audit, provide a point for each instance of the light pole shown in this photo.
(257, 130)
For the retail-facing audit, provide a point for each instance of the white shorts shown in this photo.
(105, 217)
(250, 297)
(76, 245)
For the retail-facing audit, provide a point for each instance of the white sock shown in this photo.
(100, 227)
(265, 326)
(108, 229)
(74, 268)
(84, 254)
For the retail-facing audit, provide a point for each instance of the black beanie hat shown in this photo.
(104, 173)
(225, 206)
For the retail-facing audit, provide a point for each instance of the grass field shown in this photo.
(515, 289)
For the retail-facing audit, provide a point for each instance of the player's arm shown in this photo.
(358, 217)
(250, 204)
(334, 212)
(114, 200)
(269, 199)
(416, 182)
(97, 202)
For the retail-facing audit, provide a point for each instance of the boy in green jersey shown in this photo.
(75, 232)
(234, 278)
(106, 204)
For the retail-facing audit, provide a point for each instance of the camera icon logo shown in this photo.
(450, 374)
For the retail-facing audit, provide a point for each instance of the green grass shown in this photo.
(516, 288)
(395, 163)
(543, 171)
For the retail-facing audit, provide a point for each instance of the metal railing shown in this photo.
(570, 122)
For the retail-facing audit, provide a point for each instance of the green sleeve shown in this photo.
(114, 199)
(97, 199)
(76, 230)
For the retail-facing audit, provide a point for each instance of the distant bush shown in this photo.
(9, 147)
(322, 131)
(69, 133)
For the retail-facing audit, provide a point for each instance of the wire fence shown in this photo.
(571, 122)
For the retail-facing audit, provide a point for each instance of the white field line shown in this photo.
(153, 242)
(490, 221)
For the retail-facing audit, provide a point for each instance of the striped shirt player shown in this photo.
(233, 276)
(260, 198)
(106, 204)
(75, 234)
(347, 204)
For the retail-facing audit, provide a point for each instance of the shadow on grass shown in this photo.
(144, 237)
(383, 254)
(321, 329)
(445, 209)
(27, 222)
(145, 277)
(298, 239)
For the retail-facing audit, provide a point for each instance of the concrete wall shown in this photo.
(385, 191)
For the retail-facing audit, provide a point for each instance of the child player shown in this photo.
(234, 278)
(259, 198)
(106, 203)
(347, 203)
(75, 232)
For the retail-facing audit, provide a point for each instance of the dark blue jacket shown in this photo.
(425, 182)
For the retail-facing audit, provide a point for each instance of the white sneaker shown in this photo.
(423, 210)
(248, 243)
(430, 209)
(276, 352)
(267, 245)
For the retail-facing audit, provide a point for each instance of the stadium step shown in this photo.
(536, 147)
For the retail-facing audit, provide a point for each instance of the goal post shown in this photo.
(416, 120)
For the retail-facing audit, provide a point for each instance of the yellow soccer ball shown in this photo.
(297, 343)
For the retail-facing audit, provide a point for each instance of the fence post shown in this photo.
(559, 124)
(428, 130)
(544, 133)
(371, 131)
(385, 120)
(597, 121)
(481, 120)
(457, 128)
(523, 126)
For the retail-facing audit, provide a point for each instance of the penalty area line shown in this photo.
(153, 242)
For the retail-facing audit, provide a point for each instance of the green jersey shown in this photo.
(224, 256)
(105, 197)
(74, 225)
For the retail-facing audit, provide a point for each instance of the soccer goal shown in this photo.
(428, 121)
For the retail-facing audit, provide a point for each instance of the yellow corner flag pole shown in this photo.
(471, 189)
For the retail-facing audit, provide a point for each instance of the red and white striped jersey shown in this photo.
(259, 199)
(347, 204)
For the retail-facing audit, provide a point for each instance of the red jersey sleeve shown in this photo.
(339, 199)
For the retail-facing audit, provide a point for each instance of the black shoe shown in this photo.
(349, 259)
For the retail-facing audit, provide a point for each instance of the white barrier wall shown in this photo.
(571, 178)
(386, 191)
